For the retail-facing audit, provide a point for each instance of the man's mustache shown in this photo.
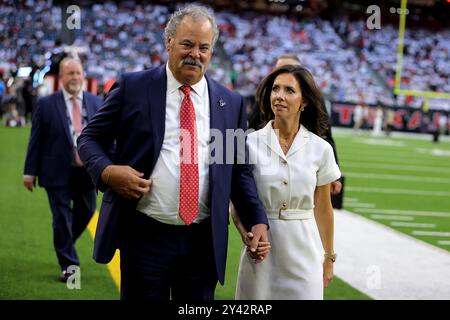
(192, 62)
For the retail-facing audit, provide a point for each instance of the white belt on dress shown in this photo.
(290, 214)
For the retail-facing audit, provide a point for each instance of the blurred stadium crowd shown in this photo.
(351, 63)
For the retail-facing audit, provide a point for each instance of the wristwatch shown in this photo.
(332, 256)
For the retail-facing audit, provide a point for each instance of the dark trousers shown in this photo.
(72, 208)
(160, 261)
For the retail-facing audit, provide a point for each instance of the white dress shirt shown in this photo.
(69, 106)
(162, 201)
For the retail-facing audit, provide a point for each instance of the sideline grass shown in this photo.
(28, 265)
(420, 179)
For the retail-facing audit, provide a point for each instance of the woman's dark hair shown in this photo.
(314, 117)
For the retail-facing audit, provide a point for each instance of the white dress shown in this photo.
(286, 184)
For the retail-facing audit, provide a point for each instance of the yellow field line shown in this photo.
(401, 37)
(425, 94)
(114, 265)
(398, 74)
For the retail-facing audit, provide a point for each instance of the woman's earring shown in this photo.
(302, 108)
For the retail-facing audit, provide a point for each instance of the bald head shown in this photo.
(286, 59)
(71, 75)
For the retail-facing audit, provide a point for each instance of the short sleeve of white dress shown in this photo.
(328, 169)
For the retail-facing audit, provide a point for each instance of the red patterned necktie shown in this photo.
(188, 159)
(76, 123)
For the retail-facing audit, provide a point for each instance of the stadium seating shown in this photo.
(350, 64)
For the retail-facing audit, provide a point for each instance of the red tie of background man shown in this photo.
(76, 123)
(189, 163)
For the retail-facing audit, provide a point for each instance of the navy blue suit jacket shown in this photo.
(50, 149)
(133, 115)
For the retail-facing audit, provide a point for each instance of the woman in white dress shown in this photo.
(293, 169)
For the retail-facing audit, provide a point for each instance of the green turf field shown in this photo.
(403, 183)
(28, 266)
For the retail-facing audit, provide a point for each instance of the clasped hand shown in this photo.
(126, 181)
(257, 242)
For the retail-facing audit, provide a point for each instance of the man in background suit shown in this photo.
(166, 207)
(52, 158)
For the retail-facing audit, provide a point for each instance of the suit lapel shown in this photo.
(218, 121)
(62, 112)
(156, 88)
(217, 106)
(87, 106)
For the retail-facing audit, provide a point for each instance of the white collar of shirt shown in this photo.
(173, 85)
(68, 96)
(271, 139)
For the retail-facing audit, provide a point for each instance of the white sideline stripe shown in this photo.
(401, 191)
(434, 152)
(444, 242)
(407, 268)
(392, 160)
(396, 177)
(406, 212)
(431, 233)
(380, 142)
(413, 225)
(381, 217)
(394, 154)
(351, 199)
(361, 205)
(360, 164)
(341, 131)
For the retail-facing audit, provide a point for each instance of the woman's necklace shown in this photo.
(287, 143)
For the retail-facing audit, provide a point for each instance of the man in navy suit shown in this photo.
(52, 158)
(169, 215)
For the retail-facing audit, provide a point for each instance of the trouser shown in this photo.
(161, 261)
(72, 208)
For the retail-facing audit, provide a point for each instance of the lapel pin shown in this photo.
(222, 103)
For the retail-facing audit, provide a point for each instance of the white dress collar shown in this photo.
(270, 138)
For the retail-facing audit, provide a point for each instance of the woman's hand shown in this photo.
(262, 249)
(260, 230)
(327, 272)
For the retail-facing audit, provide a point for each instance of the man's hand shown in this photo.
(258, 242)
(126, 181)
(29, 182)
(261, 251)
(336, 187)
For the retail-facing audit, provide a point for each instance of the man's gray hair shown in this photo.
(64, 61)
(196, 12)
